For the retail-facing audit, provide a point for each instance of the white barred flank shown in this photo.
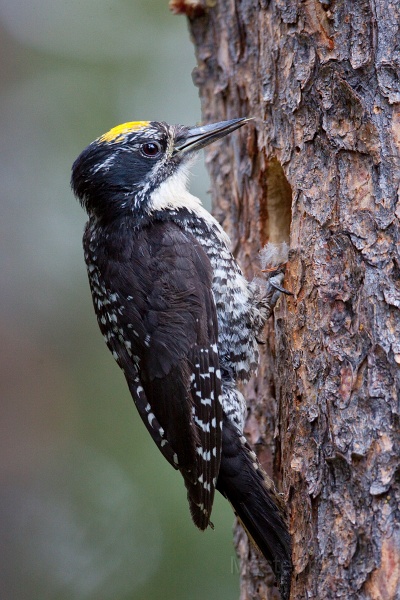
(237, 310)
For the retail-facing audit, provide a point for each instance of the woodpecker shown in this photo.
(179, 317)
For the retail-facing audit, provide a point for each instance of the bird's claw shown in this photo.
(276, 276)
(279, 287)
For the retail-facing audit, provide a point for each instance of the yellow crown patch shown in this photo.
(117, 133)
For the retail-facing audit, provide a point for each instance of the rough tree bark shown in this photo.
(321, 78)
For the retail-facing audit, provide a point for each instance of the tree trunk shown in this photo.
(321, 79)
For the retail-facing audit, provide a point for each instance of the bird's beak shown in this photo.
(199, 137)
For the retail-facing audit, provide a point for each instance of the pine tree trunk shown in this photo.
(321, 79)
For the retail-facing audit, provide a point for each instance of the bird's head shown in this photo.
(138, 166)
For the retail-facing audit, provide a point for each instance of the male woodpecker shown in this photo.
(179, 317)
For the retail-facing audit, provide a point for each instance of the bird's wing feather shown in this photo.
(161, 312)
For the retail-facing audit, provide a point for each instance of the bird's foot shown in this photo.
(273, 259)
(275, 279)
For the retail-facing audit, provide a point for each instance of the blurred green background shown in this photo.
(89, 508)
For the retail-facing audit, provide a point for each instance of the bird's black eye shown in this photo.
(151, 149)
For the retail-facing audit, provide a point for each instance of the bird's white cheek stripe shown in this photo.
(173, 193)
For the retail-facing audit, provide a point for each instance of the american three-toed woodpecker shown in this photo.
(179, 317)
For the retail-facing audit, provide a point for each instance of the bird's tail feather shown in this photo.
(256, 503)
